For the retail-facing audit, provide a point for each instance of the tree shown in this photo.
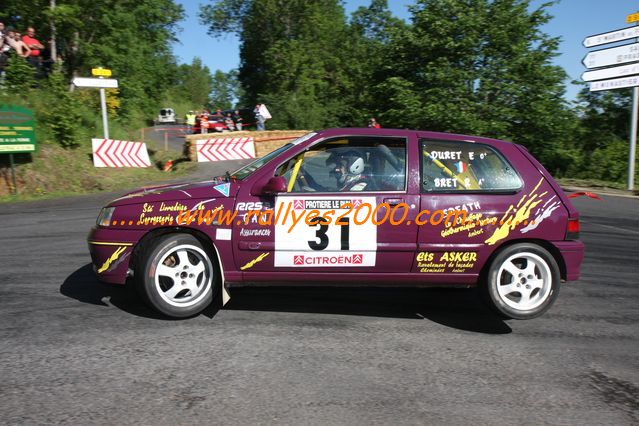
(604, 131)
(194, 82)
(479, 67)
(292, 56)
(225, 90)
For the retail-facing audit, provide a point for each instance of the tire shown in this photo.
(176, 276)
(522, 282)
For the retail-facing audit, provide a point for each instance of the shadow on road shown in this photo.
(456, 308)
(82, 285)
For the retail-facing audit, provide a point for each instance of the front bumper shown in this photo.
(111, 251)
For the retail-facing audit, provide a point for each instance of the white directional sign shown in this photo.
(611, 37)
(616, 83)
(106, 83)
(613, 56)
(612, 72)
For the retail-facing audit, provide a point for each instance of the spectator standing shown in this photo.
(35, 46)
(204, 124)
(190, 121)
(218, 116)
(4, 49)
(374, 124)
(228, 121)
(21, 48)
(237, 118)
(259, 118)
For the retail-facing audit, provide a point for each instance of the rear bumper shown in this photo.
(573, 254)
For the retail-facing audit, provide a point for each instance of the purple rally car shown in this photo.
(369, 207)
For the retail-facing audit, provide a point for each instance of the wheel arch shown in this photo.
(206, 241)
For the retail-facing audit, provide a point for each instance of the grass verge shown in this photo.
(55, 172)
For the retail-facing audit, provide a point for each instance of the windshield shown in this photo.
(250, 168)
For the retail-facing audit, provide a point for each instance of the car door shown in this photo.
(348, 208)
(468, 187)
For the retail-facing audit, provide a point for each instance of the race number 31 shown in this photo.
(330, 239)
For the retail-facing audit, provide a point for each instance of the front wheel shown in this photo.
(522, 282)
(176, 276)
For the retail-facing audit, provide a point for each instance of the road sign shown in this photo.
(101, 72)
(632, 18)
(17, 129)
(225, 149)
(611, 37)
(105, 83)
(612, 72)
(612, 56)
(113, 153)
(615, 83)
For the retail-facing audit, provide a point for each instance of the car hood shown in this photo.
(215, 188)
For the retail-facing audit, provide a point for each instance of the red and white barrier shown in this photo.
(114, 153)
(222, 149)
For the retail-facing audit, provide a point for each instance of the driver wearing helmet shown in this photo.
(347, 167)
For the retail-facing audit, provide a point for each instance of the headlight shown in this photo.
(104, 218)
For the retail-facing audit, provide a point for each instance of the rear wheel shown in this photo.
(522, 282)
(176, 276)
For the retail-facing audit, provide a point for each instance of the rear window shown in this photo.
(456, 166)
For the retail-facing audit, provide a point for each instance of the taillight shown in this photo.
(572, 230)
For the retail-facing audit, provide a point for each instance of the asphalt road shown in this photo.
(154, 136)
(79, 352)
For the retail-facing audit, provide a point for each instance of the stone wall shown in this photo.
(265, 141)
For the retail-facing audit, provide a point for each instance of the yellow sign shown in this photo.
(101, 72)
(632, 18)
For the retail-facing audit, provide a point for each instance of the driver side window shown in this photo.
(349, 164)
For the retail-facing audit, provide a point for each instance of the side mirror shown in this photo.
(275, 185)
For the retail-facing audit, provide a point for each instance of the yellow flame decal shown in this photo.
(519, 214)
(111, 259)
(254, 261)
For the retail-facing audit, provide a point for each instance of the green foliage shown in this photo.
(292, 55)
(608, 162)
(225, 90)
(62, 112)
(20, 76)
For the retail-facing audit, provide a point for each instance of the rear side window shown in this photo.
(454, 166)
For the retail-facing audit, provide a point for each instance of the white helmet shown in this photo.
(346, 165)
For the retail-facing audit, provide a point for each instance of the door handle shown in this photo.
(393, 201)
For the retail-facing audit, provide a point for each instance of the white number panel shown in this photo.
(323, 242)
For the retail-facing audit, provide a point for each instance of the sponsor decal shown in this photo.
(261, 232)
(223, 234)
(257, 205)
(200, 205)
(542, 213)
(252, 263)
(517, 214)
(149, 216)
(449, 261)
(326, 204)
(175, 207)
(117, 253)
(329, 229)
(223, 188)
(330, 259)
